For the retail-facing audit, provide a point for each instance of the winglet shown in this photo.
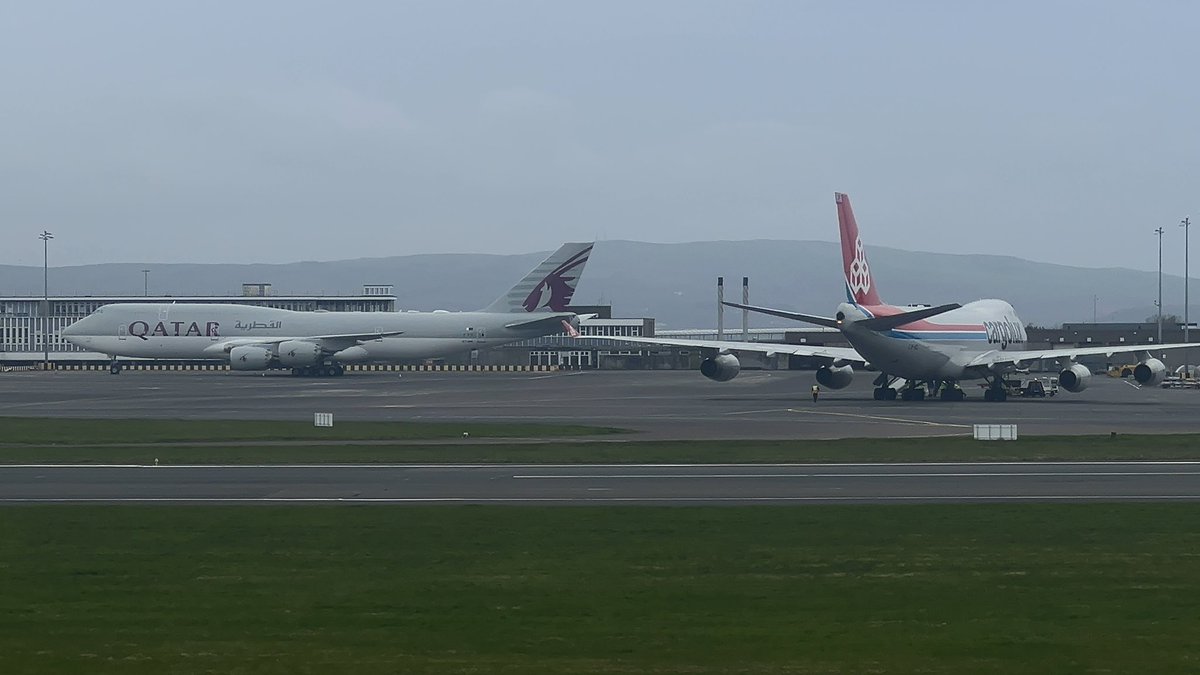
(860, 287)
(569, 329)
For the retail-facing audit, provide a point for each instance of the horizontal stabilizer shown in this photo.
(533, 320)
(882, 323)
(795, 316)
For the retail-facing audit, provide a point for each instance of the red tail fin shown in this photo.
(860, 288)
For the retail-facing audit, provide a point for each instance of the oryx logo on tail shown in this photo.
(550, 286)
(555, 291)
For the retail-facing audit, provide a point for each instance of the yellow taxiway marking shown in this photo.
(880, 418)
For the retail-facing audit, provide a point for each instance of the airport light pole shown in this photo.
(145, 282)
(1159, 232)
(1185, 223)
(45, 236)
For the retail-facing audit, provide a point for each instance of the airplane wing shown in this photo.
(348, 339)
(784, 314)
(768, 348)
(549, 319)
(1000, 357)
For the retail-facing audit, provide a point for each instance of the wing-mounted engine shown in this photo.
(1074, 378)
(721, 368)
(250, 357)
(835, 376)
(299, 353)
(1150, 372)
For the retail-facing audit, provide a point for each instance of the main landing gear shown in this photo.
(883, 387)
(325, 370)
(917, 390)
(996, 391)
(114, 368)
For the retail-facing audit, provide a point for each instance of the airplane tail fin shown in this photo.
(860, 288)
(550, 285)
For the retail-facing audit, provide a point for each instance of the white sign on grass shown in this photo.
(995, 432)
(322, 419)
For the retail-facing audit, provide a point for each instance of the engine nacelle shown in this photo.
(299, 353)
(1150, 371)
(355, 353)
(835, 377)
(250, 357)
(1074, 378)
(722, 368)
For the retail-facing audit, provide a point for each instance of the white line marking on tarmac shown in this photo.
(547, 377)
(518, 500)
(618, 476)
(880, 418)
(505, 466)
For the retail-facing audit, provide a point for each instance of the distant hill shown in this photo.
(675, 283)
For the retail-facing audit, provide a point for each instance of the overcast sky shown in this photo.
(282, 131)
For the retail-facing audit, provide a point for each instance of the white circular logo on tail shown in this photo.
(859, 275)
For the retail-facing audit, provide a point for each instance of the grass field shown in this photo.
(46, 431)
(613, 448)
(880, 589)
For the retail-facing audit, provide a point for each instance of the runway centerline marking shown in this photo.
(705, 465)
(1033, 474)
(567, 500)
(880, 418)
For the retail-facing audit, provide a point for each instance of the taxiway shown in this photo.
(659, 404)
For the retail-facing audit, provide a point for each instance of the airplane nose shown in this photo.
(72, 330)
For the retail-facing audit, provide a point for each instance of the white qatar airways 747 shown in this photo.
(319, 343)
(917, 350)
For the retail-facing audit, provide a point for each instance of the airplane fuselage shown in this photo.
(938, 348)
(209, 331)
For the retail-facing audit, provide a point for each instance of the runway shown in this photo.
(658, 404)
(726, 484)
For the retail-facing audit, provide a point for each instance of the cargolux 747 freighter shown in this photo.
(918, 351)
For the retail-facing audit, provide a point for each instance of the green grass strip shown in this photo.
(840, 589)
(83, 431)
(1045, 448)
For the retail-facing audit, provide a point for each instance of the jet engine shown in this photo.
(299, 353)
(722, 367)
(835, 377)
(1074, 378)
(250, 357)
(1150, 372)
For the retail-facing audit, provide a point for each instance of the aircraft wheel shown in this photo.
(878, 393)
(989, 394)
(918, 394)
(890, 394)
(115, 369)
(339, 371)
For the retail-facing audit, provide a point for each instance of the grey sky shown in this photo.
(279, 131)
